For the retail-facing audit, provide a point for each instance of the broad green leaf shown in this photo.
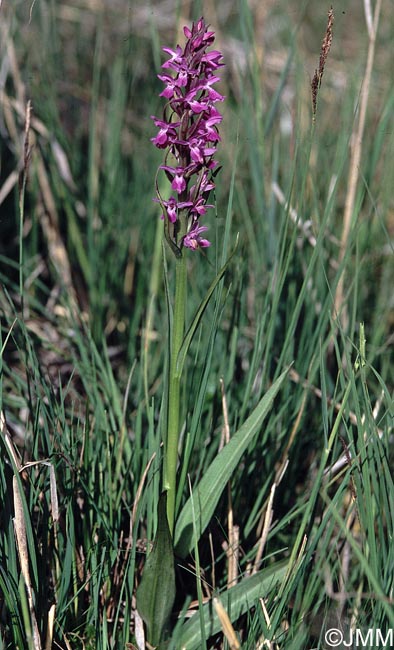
(207, 494)
(156, 593)
(236, 602)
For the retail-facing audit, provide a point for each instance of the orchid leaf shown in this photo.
(156, 593)
(208, 492)
(236, 601)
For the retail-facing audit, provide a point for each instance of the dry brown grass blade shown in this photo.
(227, 627)
(23, 552)
(51, 621)
(8, 185)
(20, 531)
(139, 631)
(269, 513)
(49, 220)
(340, 310)
(280, 470)
(13, 61)
(8, 442)
(233, 531)
(263, 643)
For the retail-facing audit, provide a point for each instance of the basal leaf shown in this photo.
(156, 593)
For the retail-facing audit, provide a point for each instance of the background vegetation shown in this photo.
(84, 326)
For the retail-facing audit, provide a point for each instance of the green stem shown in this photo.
(177, 334)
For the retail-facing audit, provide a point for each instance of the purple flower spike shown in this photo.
(189, 132)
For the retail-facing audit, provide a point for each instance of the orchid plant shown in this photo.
(188, 131)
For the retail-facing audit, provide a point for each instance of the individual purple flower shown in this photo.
(205, 84)
(177, 177)
(210, 125)
(167, 133)
(172, 206)
(199, 208)
(198, 149)
(176, 57)
(212, 60)
(189, 132)
(193, 240)
(171, 86)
